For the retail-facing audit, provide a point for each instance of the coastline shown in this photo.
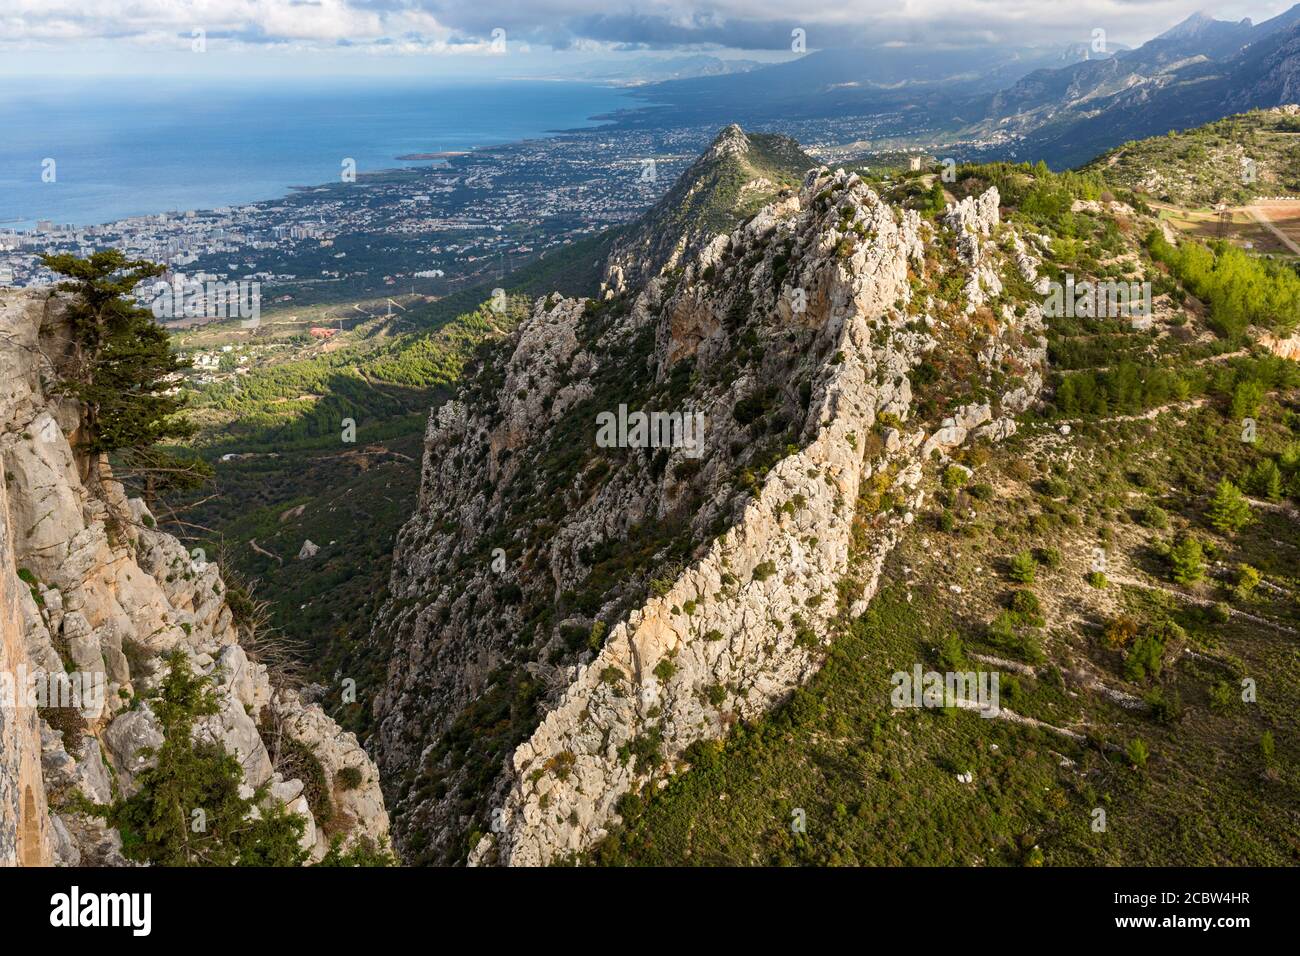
(25, 220)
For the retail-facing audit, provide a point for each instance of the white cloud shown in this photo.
(464, 26)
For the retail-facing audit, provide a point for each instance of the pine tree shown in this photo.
(123, 364)
(1229, 511)
(159, 823)
(122, 371)
(1265, 480)
(1187, 560)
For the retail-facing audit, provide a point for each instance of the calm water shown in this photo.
(127, 148)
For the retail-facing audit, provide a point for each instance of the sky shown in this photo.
(504, 38)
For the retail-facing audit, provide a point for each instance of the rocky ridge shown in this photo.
(600, 610)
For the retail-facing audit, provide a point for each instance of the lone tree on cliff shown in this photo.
(122, 371)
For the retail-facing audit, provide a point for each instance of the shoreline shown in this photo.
(27, 225)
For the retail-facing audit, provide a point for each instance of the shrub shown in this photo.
(1265, 480)
(348, 778)
(1049, 557)
(1166, 707)
(1022, 567)
(954, 476)
(1245, 580)
(1026, 603)
(1146, 657)
(1267, 748)
(1120, 632)
(1222, 696)
(1153, 516)
(1137, 753)
(363, 853)
(1096, 579)
(1007, 632)
(952, 656)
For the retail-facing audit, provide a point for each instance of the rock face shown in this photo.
(26, 832)
(745, 617)
(91, 588)
(570, 614)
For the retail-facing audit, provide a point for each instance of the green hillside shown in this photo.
(1207, 165)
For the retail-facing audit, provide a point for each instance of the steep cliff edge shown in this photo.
(94, 597)
(577, 601)
(26, 832)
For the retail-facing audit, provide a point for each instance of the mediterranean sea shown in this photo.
(124, 148)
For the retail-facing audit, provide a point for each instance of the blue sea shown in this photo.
(128, 147)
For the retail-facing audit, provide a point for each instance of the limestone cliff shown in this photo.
(92, 588)
(569, 617)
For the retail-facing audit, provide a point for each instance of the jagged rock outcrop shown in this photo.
(971, 219)
(98, 593)
(568, 617)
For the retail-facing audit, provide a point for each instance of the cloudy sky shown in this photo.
(531, 36)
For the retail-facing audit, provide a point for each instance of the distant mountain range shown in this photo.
(847, 82)
(1198, 72)
(1063, 105)
(657, 69)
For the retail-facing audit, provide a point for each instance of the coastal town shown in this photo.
(426, 228)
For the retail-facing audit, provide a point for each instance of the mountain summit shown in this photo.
(732, 179)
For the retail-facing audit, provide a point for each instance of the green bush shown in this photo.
(1022, 567)
(1265, 480)
(1222, 696)
(1245, 580)
(1138, 753)
(1154, 517)
(348, 778)
(1166, 706)
(1146, 657)
(363, 853)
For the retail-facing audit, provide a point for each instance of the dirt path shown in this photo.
(1267, 223)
